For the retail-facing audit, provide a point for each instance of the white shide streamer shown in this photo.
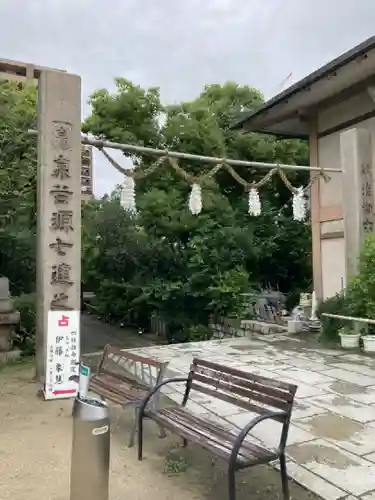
(195, 199)
(255, 207)
(127, 196)
(299, 204)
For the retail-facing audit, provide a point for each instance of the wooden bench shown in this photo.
(125, 379)
(264, 397)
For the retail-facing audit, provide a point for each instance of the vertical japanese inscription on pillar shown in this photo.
(367, 198)
(61, 218)
(58, 228)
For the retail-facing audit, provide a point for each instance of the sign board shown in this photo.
(84, 380)
(62, 351)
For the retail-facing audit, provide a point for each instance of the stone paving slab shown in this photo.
(346, 470)
(370, 456)
(352, 436)
(350, 376)
(356, 368)
(314, 483)
(331, 445)
(365, 395)
(345, 407)
(305, 363)
(303, 409)
(357, 358)
(305, 376)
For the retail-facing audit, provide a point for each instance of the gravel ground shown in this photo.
(35, 450)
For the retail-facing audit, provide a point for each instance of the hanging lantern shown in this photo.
(299, 204)
(195, 199)
(127, 196)
(255, 207)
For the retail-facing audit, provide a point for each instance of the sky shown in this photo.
(181, 45)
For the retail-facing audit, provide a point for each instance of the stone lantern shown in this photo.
(8, 316)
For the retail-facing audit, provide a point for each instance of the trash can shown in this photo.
(89, 476)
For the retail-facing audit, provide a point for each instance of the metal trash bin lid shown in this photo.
(90, 409)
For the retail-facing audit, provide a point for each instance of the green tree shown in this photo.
(17, 185)
(129, 115)
(202, 126)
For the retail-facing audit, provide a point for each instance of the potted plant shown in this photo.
(349, 338)
(368, 339)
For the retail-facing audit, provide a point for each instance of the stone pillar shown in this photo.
(59, 201)
(358, 196)
(315, 211)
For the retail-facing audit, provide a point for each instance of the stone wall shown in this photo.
(227, 327)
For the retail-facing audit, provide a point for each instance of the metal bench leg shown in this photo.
(140, 436)
(134, 428)
(284, 477)
(232, 484)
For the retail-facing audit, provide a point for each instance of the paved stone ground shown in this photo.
(331, 445)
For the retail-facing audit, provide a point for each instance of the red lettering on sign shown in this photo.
(64, 321)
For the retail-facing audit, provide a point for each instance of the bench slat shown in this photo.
(122, 378)
(113, 382)
(284, 390)
(235, 386)
(243, 389)
(111, 395)
(221, 433)
(210, 436)
(247, 383)
(246, 405)
(131, 356)
(113, 385)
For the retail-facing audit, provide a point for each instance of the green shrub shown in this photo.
(338, 304)
(359, 298)
(26, 330)
(361, 289)
(199, 332)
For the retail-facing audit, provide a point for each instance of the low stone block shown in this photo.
(10, 318)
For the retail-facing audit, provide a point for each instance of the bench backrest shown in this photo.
(131, 368)
(245, 390)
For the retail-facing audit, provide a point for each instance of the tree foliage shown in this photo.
(163, 258)
(195, 266)
(17, 185)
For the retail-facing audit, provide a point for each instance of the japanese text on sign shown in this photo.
(62, 354)
(367, 198)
